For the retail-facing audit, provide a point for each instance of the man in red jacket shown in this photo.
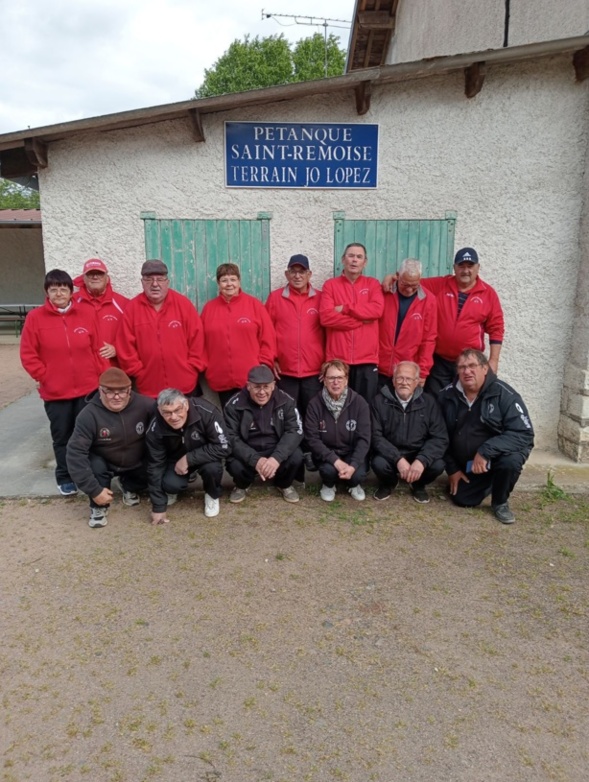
(160, 343)
(300, 339)
(96, 295)
(351, 306)
(468, 308)
(408, 327)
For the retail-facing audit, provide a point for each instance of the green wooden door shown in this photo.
(389, 242)
(192, 250)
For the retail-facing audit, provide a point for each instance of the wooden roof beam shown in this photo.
(376, 20)
(36, 152)
(363, 93)
(474, 77)
(198, 133)
(581, 63)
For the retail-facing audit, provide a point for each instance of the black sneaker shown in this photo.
(382, 493)
(420, 494)
(503, 513)
(309, 464)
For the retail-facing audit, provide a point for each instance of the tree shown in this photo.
(265, 62)
(13, 196)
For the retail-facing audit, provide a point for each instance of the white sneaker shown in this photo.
(98, 517)
(172, 498)
(290, 494)
(211, 506)
(327, 493)
(357, 493)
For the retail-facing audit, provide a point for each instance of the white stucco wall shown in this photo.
(430, 29)
(21, 265)
(508, 162)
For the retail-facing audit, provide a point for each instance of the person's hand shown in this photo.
(277, 370)
(344, 470)
(181, 466)
(479, 464)
(107, 351)
(388, 282)
(266, 467)
(339, 308)
(159, 518)
(455, 479)
(104, 498)
(415, 471)
(403, 467)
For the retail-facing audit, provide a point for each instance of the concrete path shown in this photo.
(27, 463)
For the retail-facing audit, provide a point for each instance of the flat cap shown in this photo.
(153, 267)
(260, 374)
(114, 378)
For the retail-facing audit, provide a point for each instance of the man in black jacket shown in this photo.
(109, 440)
(491, 435)
(409, 436)
(267, 431)
(187, 436)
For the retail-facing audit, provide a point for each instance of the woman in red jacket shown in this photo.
(59, 350)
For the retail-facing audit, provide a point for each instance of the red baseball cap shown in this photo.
(95, 265)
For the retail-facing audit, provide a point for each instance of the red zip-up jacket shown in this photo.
(352, 334)
(481, 314)
(60, 351)
(300, 339)
(108, 311)
(161, 348)
(417, 337)
(239, 335)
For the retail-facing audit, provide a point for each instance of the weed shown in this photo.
(551, 492)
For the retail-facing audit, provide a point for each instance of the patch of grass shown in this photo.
(552, 492)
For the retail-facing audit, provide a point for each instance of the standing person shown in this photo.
(109, 440)
(96, 293)
(351, 306)
(408, 327)
(300, 338)
(59, 349)
(409, 436)
(337, 426)
(491, 435)
(266, 431)
(187, 436)
(238, 334)
(160, 343)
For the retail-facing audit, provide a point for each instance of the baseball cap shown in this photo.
(260, 374)
(114, 378)
(466, 255)
(94, 265)
(299, 260)
(153, 267)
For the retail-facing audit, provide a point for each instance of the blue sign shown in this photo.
(301, 155)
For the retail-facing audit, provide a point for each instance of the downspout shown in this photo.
(506, 24)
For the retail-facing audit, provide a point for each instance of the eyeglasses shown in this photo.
(110, 393)
(334, 378)
(154, 280)
(403, 379)
(177, 411)
(464, 367)
(298, 272)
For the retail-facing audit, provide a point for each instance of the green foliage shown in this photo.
(551, 492)
(13, 196)
(264, 62)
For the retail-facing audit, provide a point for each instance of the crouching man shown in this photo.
(109, 440)
(267, 431)
(187, 436)
(409, 436)
(491, 435)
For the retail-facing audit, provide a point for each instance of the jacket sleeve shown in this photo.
(126, 347)
(195, 339)
(240, 449)
(495, 324)
(332, 319)
(292, 435)
(371, 309)
(218, 445)
(517, 434)
(30, 356)
(318, 448)
(380, 444)
(267, 337)
(425, 354)
(78, 454)
(156, 467)
(433, 285)
(363, 432)
(436, 444)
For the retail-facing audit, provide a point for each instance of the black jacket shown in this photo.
(418, 431)
(502, 413)
(119, 438)
(202, 439)
(348, 438)
(286, 422)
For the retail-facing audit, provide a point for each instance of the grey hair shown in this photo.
(411, 265)
(170, 396)
(412, 364)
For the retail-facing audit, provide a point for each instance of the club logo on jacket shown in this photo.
(364, 292)
(280, 414)
(351, 425)
(476, 300)
(243, 320)
(110, 317)
(140, 428)
(417, 316)
(322, 427)
(104, 433)
(195, 436)
(81, 330)
(174, 324)
(312, 311)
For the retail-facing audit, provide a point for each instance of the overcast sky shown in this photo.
(62, 60)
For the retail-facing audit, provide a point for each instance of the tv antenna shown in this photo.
(311, 21)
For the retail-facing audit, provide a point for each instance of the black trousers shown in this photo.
(440, 375)
(302, 390)
(211, 474)
(364, 380)
(329, 475)
(243, 475)
(388, 475)
(134, 480)
(62, 415)
(498, 482)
